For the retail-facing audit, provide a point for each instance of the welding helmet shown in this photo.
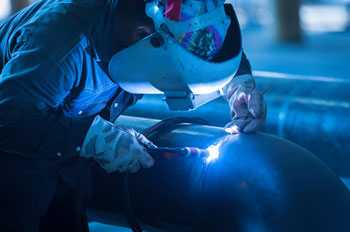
(193, 53)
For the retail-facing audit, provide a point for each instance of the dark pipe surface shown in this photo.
(259, 183)
(313, 113)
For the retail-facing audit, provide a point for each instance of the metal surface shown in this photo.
(259, 183)
(312, 112)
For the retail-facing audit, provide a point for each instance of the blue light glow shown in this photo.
(151, 9)
(213, 153)
(154, 9)
(232, 130)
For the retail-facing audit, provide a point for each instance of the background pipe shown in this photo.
(259, 183)
(287, 21)
(312, 112)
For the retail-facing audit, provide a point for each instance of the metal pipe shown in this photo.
(287, 21)
(312, 112)
(258, 183)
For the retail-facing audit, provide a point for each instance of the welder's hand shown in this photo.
(247, 105)
(115, 148)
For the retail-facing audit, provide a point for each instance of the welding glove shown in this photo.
(247, 105)
(116, 148)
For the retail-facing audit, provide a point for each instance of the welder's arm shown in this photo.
(34, 84)
(247, 105)
(31, 123)
(245, 67)
(30, 127)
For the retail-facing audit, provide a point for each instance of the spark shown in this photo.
(232, 130)
(213, 153)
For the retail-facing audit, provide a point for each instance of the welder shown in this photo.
(59, 94)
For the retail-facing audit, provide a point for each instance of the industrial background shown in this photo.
(300, 53)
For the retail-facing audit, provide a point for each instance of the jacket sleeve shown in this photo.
(243, 76)
(244, 67)
(31, 120)
(33, 84)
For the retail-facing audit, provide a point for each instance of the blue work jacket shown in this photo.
(53, 59)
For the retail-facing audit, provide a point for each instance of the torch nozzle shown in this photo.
(166, 152)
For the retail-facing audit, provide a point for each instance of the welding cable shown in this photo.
(170, 124)
(165, 125)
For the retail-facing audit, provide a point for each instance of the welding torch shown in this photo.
(210, 154)
(168, 153)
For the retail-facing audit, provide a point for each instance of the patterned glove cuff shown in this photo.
(96, 128)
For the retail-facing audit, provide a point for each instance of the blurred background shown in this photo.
(300, 53)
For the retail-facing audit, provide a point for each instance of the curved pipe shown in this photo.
(312, 112)
(259, 183)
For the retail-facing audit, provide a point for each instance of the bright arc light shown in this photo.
(232, 130)
(213, 153)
